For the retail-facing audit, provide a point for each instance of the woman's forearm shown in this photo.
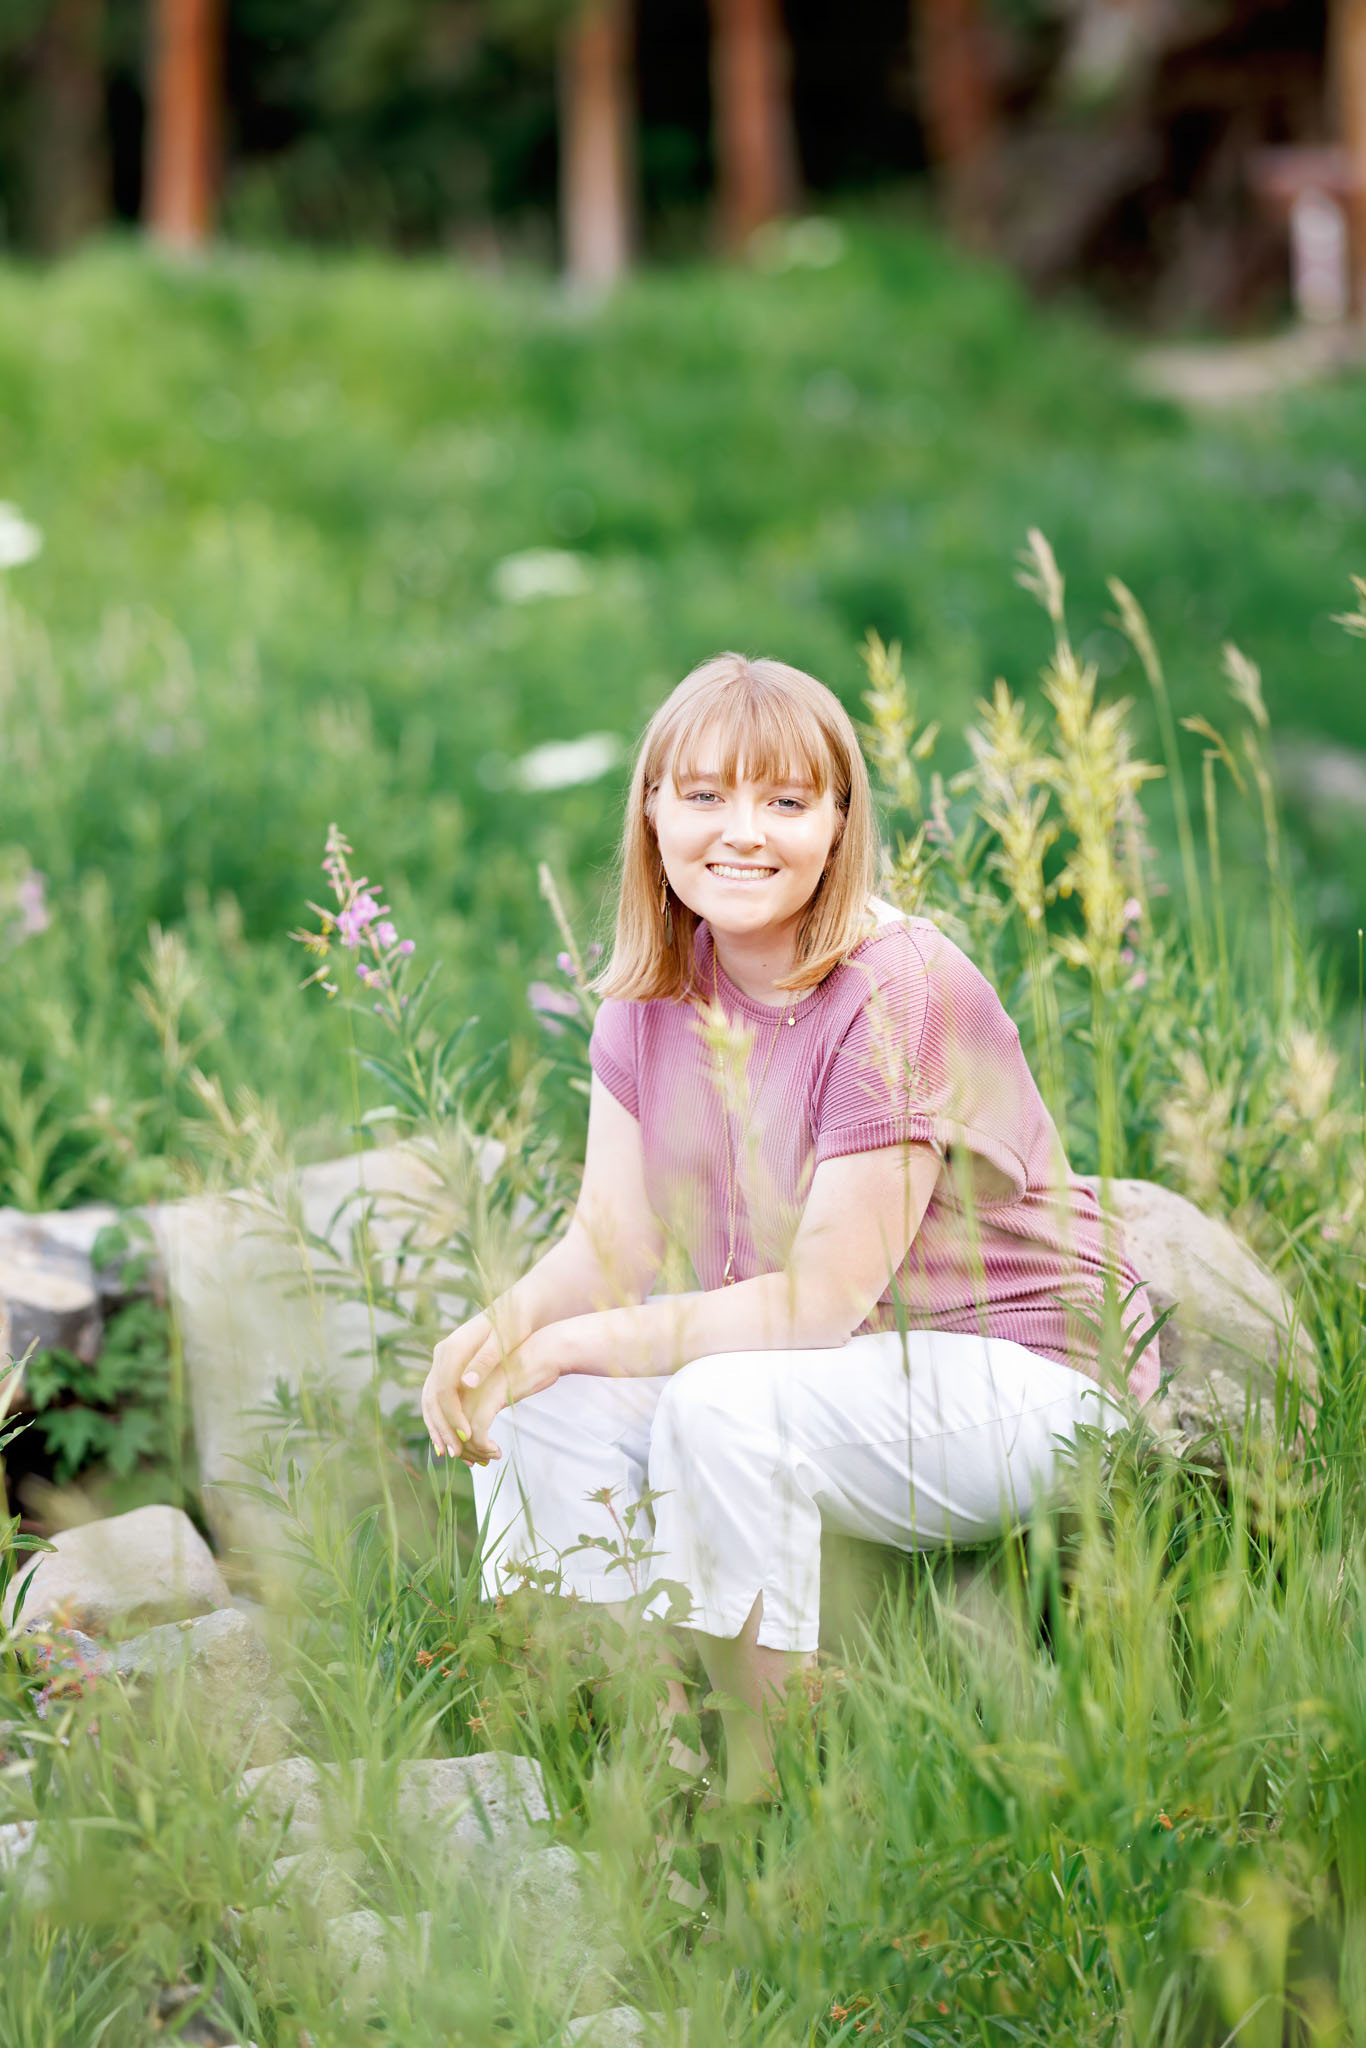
(775, 1312)
(566, 1282)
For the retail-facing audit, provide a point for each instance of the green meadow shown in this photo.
(347, 542)
(274, 494)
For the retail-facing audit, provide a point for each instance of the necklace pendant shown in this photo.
(728, 1277)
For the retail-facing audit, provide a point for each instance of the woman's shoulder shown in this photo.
(898, 947)
(912, 964)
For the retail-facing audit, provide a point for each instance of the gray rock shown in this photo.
(67, 1238)
(25, 1862)
(325, 1881)
(472, 1799)
(359, 1946)
(457, 1804)
(230, 1686)
(244, 1277)
(295, 1791)
(620, 2026)
(52, 1304)
(1232, 1316)
(558, 1930)
(126, 1573)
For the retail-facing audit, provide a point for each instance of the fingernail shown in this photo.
(471, 1379)
(436, 1450)
(463, 1435)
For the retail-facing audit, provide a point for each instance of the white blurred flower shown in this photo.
(540, 572)
(560, 764)
(20, 539)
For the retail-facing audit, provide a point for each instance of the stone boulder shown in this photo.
(52, 1306)
(252, 1281)
(127, 1573)
(459, 1804)
(1233, 1318)
(360, 1947)
(557, 1930)
(620, 2026)
(329, 1882)
(220, 1672)
(26, 1862)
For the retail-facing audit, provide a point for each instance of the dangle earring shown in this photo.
(666, 909)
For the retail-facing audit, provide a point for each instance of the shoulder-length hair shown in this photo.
(767, 721)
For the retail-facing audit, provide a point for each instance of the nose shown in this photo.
(744, 824)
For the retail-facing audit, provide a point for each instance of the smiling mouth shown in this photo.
(727, 873)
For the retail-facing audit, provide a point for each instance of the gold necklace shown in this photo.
(732, 1167)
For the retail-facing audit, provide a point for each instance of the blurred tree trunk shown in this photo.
(1347, 30)
(184, 121)
(953, 66)
(68, 170)
(597, 155)
(756, 145)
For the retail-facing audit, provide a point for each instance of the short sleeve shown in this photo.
(930, 1057)
(870, 1095)
(612, 1051)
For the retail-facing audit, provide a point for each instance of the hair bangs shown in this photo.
(752, 734)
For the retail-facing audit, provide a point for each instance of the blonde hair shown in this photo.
(769, 721)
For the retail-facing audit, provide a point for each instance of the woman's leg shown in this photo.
(573, 1465)
(937, 1439)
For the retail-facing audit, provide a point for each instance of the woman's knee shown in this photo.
(707, 1403)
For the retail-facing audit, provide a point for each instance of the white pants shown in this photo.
(915, 1442)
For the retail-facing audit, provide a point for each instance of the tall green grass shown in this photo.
(274, 494)
(1102, 1782)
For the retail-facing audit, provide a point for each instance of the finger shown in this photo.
(434, 1428)
(454, 1419)
(446, 1432)
(486, 1358)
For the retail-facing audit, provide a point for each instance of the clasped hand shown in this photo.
(473, 1378)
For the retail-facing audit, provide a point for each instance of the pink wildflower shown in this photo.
(550, 1003)
(406, 946)
(34, 915)
(385, 934)
(1133, 910)
(354, 921)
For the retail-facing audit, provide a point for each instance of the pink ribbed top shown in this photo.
(904, 1042)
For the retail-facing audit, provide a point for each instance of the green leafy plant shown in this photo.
(117, 1412)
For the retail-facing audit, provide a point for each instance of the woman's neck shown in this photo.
(755, 962)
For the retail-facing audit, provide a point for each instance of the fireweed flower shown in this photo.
(360, 923)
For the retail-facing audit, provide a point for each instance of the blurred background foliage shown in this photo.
(323, 497)
(281, 499)
(1100, 141)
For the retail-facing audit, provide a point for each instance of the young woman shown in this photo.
(815, 1114)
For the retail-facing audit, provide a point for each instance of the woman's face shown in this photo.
(749, 855)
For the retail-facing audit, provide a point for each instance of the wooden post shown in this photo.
(956, 100)
(1348, 57)
(597, 155)
(184, 121)
(68, 170)
(756, 148)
